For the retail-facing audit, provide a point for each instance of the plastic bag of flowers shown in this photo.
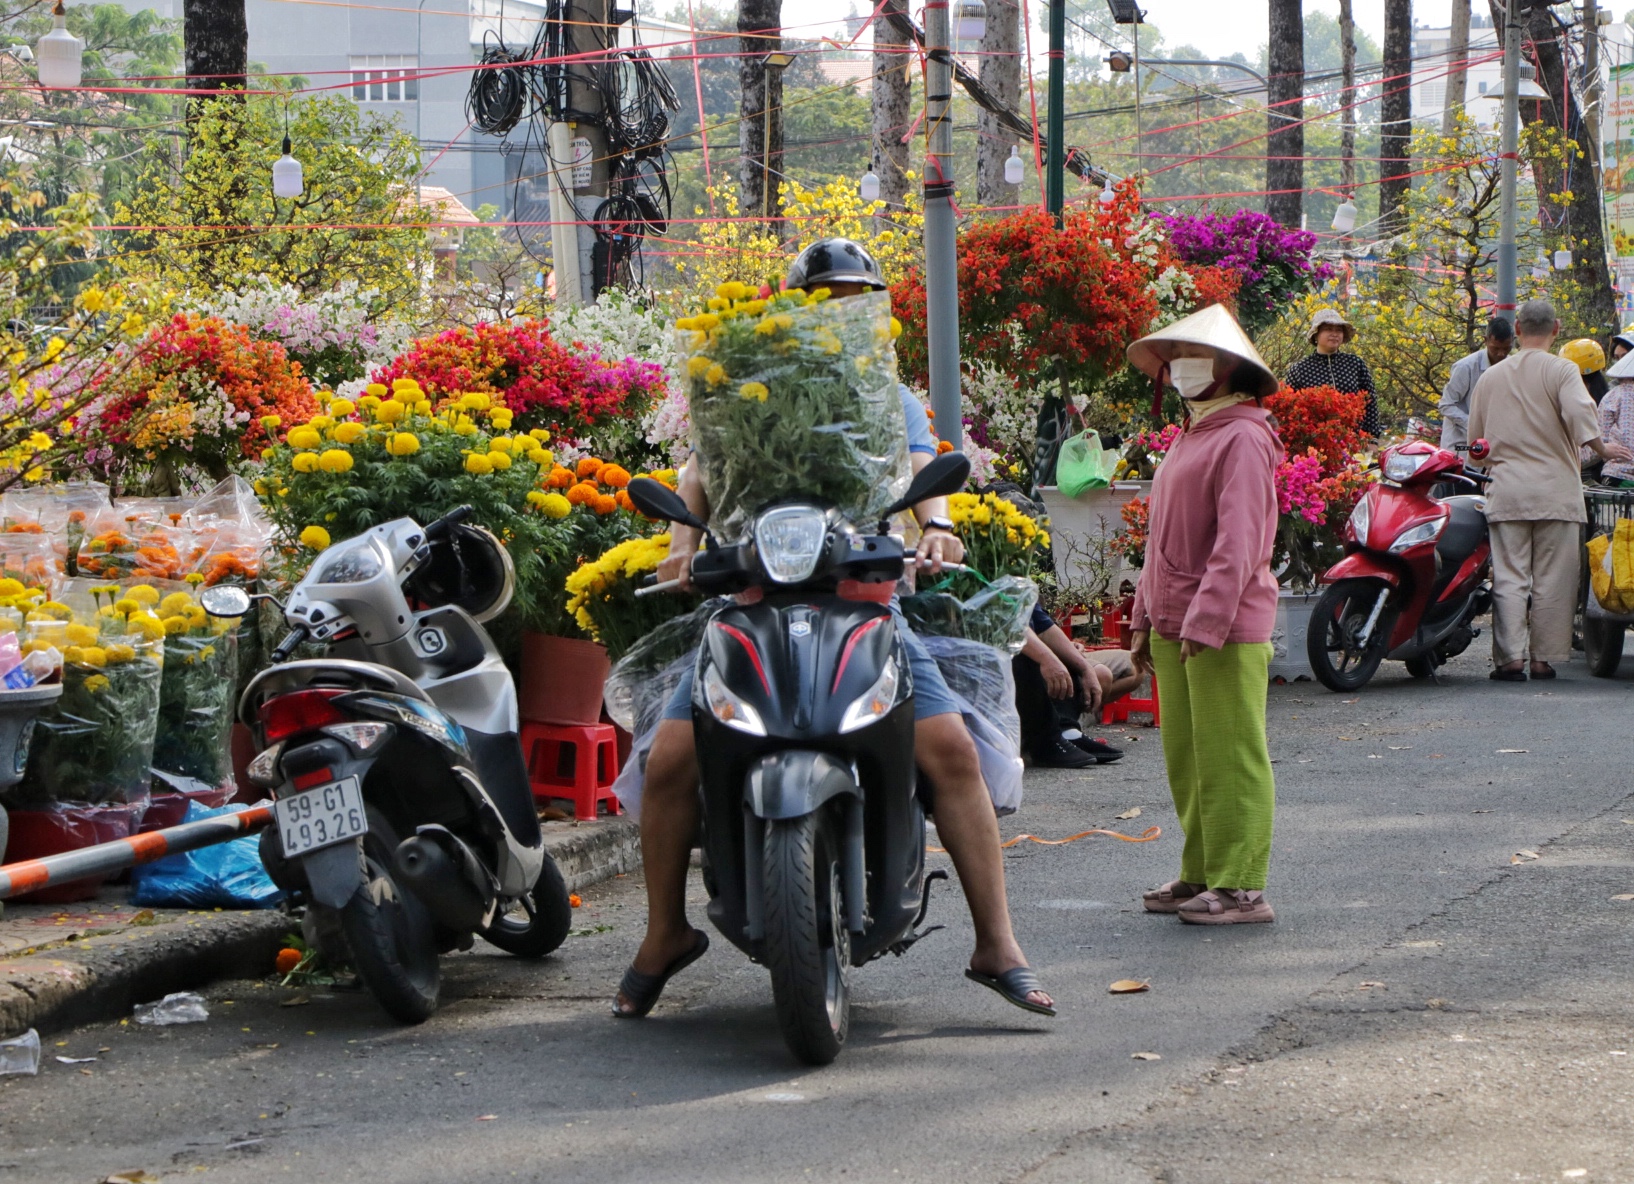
(979, 677)
(96, 743)
(996, 614)
(602, 599)
(794, 396)
(197, 695)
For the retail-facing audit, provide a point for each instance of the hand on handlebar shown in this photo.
(938, 548)
(678, 568)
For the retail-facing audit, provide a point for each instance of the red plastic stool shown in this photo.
(1119, 712)
(574, 761)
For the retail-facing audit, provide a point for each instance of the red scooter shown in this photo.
(1416, 571)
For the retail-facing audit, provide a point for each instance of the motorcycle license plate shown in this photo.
(321, 817)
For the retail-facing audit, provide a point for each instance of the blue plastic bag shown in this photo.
(227, 875)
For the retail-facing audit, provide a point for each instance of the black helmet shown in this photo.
(834, 261)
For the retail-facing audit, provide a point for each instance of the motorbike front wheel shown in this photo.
(1603, 645)
(1338, 660)
(390, 933)
(538, 923)
(807, 946)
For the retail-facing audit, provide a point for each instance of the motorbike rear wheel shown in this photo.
(538, 923)
(391, 934)
(1338, 662)
(807, 946)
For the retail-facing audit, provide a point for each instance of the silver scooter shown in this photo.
(403, 805)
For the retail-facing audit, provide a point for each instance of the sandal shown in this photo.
(641, 990)
(1015, 985)
(1548, 672)
(1502, 675)
(1227, 906)
(1170, 896)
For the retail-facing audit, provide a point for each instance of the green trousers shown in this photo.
(1219, 768)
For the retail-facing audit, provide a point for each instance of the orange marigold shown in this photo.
(288, 959)
(589, 466)
(559, 478)
(616, 476)
(624, 502)
(583, 494)
(605, 504)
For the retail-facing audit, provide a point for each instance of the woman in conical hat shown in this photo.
(1203, 614)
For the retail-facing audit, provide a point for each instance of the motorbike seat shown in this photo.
(1466, 528)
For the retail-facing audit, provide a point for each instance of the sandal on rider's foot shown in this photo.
(1501, 675)
(1547, 672)
(1170, 896)
(1015, 985)
(1227, 906)
(641, 990)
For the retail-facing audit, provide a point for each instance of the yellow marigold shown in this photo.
(390, 411)
(536, 498)
(315, 537)
(271, 421)
(143, 593)
(541, 456)
(754, 390)
(369, 402)
(97, 682)
(148, 625)
(305, 436)
(377, 390)
(175, 625)
(405, 384)
(501, 444)
(706, 321)
(479, 463)
(556, 506)
(540, 435)
(502, 418)
(335, 460)
(341, 408)
(766, 326)
(11, 587)
(350, 433)
(475, 401)
(118, 654)
(499, 461)
(715, 375)
(718, 303)
(176, 602)
(81, 635)
(322, 422)
(896, 328)
(696, 365)
(465, 428)
(402, 444)
(305, 462)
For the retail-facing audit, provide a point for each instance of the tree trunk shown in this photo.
(1000, 73)
(760, 25)
(893, 92)
(1285, 146)
(1396, 112)
(216, 37)
(1457, 74)
(1347, 99)
(1584, 231)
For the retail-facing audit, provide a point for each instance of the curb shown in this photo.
(103, 975)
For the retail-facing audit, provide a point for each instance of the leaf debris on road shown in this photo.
(1132, 812)
(1524, 857)
(1129, 986)
(1145, 1056)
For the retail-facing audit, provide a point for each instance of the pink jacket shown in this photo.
(1213, 522)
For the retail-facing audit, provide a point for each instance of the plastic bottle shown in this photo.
(40, 666)
(184, 1007)
(11, 653)
(21, 1055)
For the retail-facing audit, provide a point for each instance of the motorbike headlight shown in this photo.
(1399, 466)
(1424, 532)
(790, 541)
(350, 565)
(729, 707)
(1361, 518)
(875, 702)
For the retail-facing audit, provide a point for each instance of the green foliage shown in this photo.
(220, 225)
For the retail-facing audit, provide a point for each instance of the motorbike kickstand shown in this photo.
(915, 934)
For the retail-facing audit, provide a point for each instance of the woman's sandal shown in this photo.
(1015, 985)
(1170, 896)
(641, 991)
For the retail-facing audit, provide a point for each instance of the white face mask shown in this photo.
(1192, 377)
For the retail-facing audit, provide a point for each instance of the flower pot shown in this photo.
(1081, 527)
(562, 679)
(18, 711)
(1288, 660)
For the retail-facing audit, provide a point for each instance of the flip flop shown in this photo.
(1508, 676)
(1548, 673)
(1015, 985)
(642, 990)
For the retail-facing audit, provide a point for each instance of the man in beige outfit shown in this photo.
(1534, 413)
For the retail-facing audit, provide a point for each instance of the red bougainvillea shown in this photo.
(544, 383)
(1322, 418)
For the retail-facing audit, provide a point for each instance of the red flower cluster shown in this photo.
(546, 385)
(1322, 418)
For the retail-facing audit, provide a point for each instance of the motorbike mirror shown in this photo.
(1479, 449)
(945, 475)
(225, 600)
(657, 500)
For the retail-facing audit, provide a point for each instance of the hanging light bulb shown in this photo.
(868, 187)
(1107, 196)
(1013, 168)
(286, 175)
(1563, 259)
(60, 54)
(1344, 217)
(971, 22)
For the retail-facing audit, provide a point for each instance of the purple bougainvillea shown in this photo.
(1273, 261)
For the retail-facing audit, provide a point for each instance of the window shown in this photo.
(385, 78)
(1483, 88)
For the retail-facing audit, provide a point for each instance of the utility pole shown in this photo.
(1457, 68)
(941, 242)
(1347, 98)
(1055, 190)
(1591, 79)
(578, 152)
(1509, 173)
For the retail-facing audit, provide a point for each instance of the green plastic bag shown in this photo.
(1084, 464)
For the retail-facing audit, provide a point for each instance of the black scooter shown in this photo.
(813, 824)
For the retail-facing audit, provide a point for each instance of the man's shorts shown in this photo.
(930, 691)
(1118, 662)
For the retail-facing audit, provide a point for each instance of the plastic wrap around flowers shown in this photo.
(794, 396)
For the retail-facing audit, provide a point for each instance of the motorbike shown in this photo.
(404, 814)
(1415, 575)
(813, 814)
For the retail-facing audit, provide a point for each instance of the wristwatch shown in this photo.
(937, 524)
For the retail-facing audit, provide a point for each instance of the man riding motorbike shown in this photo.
(943, 747)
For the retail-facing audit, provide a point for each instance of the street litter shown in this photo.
(133, 1176)
(76, 1060)
(1370, 985)
(296, 1001)
(20, 1056)
(1145, 1056)
(183, 1007)
(1129, 986)
(1132, 812)
(1624, 896)
(1524, 857)
(1503, 751)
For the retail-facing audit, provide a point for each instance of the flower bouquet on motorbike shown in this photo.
(991, 602)
(794, 396)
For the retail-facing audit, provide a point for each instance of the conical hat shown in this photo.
(1214, 327)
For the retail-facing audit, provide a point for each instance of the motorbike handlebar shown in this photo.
(654, 588)
(448, 521)
(292, 642)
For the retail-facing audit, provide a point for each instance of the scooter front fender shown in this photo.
(334, 874)
(1363, 565)
(794, 782)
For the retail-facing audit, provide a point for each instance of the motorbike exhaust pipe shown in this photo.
(426, 869)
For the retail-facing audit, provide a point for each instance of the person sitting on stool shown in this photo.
(1055, 680)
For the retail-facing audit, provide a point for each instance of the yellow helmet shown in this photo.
(1586, 353)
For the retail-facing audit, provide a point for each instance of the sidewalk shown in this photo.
(62, 965)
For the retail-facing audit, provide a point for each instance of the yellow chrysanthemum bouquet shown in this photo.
(992, 601)
(602, 599)
(794, 395)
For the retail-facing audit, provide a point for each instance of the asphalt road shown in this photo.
(1424, 1009)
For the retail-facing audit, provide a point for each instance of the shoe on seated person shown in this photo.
(1056, 753)
(1103, 752)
